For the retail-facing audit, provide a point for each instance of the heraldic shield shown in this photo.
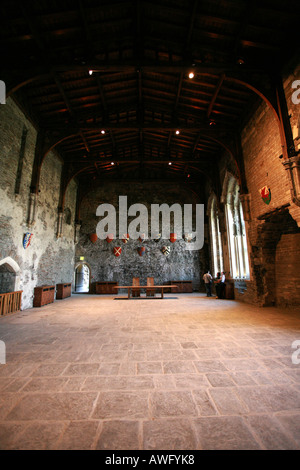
(141, 250)
(173, 237)
(93, 237)
(157, 237)
(117, 251)
(142, 237)
(188, 237)
(27, 239)
(125, 237)
(166, 250)
(110, 237)
(265, 193)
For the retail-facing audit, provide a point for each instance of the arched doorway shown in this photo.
(82, 278)
(9, 275)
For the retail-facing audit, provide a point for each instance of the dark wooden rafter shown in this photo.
(215, 95)
(186, 53)
(43, 50)
(140, 53)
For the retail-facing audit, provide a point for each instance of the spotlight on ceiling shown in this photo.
(191, 75)
(91, 72)
(112, 163)
(103, 131)
(177, 132)
(170, 163)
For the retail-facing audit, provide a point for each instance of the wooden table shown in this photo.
(145, 287)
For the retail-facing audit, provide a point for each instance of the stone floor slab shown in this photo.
(191, 373)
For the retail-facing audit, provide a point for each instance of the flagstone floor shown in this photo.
(187, 372)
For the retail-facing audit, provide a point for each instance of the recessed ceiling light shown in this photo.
(191, 75)
(170, 163)
(90, 72)
(112, 163)
(177, 132)
(103, 131)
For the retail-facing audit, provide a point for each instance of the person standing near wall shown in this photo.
(220, 286)
(207, 278)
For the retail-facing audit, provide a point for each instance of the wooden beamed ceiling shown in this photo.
(141, 52)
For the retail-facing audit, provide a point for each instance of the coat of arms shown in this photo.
(93, 237)
(141, 250)
(188, 237)
(166, 250)
(265, 193)
(125, 237)
(27, 239)
(117, 251)
(142, 237)
(110, 237)
(173, 237)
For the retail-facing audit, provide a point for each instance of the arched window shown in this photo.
(238, 252)
(216, 241)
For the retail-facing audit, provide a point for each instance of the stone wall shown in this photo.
(181, 264)
(47, 260)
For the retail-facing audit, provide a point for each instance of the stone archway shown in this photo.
(276, 258)
(9, 275)
(82, 279)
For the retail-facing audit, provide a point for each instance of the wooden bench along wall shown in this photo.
(10, 302)
(43, 295)
(183, 286)
(63, 290)
(105, 287)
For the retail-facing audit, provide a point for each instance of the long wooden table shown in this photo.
(145, 287)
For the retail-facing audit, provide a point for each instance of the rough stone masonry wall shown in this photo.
(181, 264)
(261, 149)
(47, 260)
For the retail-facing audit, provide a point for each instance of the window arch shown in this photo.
(237, 242)
(216, 239)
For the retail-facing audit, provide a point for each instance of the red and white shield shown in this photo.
(117, 251)
(142, 237)
(173, 237)
(125, 237)
(110, 237)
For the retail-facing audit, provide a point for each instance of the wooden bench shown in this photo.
(148, 288)
(63, 290)
(43, 295)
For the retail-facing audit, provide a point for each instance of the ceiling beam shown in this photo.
(215, 95)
